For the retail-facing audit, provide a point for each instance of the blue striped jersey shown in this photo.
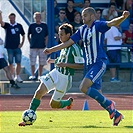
(91, 37)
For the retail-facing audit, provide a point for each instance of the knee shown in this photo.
(54, 104)
(42, 90)
(85, 84)
(6, 69)
(82, 88)
(39, 93)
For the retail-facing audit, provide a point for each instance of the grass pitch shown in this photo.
(66, 122)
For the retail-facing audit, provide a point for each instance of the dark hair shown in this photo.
(70, 0)
(86, 0)
(67, 28)
(98, 9)
(77, 13)
(12, 14)
(62, 9)
(112, 4)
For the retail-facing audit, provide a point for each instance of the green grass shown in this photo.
(66, 122)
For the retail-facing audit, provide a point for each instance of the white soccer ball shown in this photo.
(29, 116)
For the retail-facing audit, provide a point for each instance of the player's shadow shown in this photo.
(128, 126)
(93, 126)
(41, 127)
(90, 126)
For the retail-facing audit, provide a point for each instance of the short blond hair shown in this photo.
(37, 13)
(90, 10)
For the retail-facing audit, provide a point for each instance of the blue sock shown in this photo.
(95, 94)
(117, 114)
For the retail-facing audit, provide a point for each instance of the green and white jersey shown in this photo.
(72, 54)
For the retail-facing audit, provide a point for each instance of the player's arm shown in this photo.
(29, 37)
(50, 60)
(1, 20)
(116, 38)
(70, 65)
(59, 47)
(117, 21)
(46, 40)
(22, 42)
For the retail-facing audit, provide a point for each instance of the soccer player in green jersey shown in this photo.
(60, 78)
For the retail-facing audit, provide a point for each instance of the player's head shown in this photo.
(65, 31)
(12, 17)
(37, 16)
(88, 15)
(112, 6)
(62, 13)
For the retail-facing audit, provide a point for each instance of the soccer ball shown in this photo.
(29, 116)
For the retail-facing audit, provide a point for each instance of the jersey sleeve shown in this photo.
(77, 54)
(22, 30)
(76, 36)
(6, 25)
(101, 26)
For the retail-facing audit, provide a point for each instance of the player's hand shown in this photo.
(50, 60)
(125, 14)
(47, 51)
(20, 45)
(61, 64)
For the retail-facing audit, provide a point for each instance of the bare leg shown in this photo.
(32, 69)
(55, 104)
(113, 72)
(85, 84)
(40, 70)
(40, 92)
(7, 72)
(11, 69)
(18, 68)
(9, 76)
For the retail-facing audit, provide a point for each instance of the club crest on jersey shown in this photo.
(38, 29)
(16, 29)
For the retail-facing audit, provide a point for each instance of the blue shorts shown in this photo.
(14, 53)
(95, 73)
(114, 56)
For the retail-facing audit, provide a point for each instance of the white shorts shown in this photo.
(57, 81)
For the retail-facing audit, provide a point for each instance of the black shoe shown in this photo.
(15, 86)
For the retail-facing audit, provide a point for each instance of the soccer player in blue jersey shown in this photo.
(96, 58)
(60, 78)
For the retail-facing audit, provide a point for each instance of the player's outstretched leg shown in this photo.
(117, 118)
(111, 109)
(103, 101)
(36, 100)
(66, 103)
(71, 101)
